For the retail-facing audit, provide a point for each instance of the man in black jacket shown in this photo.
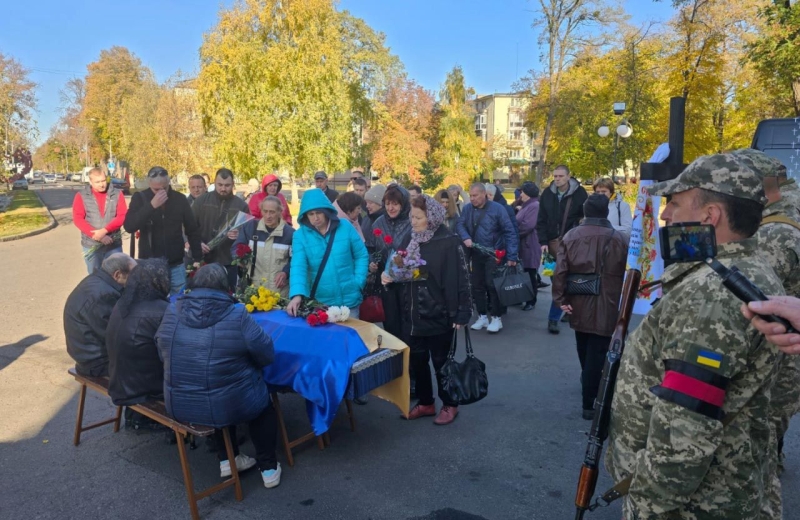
(560, 209)
(87, 312)
(162, 215)
(213, 210)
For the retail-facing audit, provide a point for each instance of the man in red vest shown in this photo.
(98, 211)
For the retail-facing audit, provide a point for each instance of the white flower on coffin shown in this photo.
(338, 314)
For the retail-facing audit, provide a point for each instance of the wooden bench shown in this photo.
(156, 411)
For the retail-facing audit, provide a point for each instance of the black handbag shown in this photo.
(513, 285)
(588, 284)
(464, 382)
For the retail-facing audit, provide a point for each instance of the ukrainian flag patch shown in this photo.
(709, 359)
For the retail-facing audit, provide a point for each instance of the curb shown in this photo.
(53, 223)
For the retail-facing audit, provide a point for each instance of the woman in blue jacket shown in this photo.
(345, 272)
(214, 354)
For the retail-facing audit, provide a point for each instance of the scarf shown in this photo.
(436, 214)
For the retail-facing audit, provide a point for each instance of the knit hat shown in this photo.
(375, 194)
(596, 206)
(530, 189)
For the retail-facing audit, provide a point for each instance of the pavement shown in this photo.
(514, 455)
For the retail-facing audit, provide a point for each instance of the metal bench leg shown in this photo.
(118, 419)
(350, 415)
(187, 477)
(284, 436)
(79, 422)
(237, 485)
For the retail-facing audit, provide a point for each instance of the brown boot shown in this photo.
(421, 410)
(446, 415)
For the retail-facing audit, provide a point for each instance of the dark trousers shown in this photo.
(592, 350)
(423, 350)
(233, 276)
(483, 292)
(263, 433)
(534, 274)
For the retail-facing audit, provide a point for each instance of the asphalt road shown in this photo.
(514, 455)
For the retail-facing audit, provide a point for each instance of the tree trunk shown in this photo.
(545, 141)
(796, 96)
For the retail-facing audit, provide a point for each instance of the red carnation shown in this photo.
(312, 320)
(377, 232)
(387, 239)
(500, 253)
(243, 250)
(323, 317)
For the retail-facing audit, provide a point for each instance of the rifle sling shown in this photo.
(621, 488)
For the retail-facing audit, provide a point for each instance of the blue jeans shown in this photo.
(177, 279)
(95, 261)
(555, 310)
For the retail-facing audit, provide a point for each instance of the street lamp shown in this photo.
(624, 130)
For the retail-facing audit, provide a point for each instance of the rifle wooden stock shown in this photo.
(587, 481)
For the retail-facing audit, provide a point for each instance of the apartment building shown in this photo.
(499, 121)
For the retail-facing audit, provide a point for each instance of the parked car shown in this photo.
(60, 177)
(122, 185)
(49, 178)
(20, 184)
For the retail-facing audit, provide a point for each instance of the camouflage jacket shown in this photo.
(791, 192)
(779, 244)
(693, 360)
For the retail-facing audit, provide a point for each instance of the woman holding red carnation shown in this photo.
(435, 304)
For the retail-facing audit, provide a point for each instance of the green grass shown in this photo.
(25, 213)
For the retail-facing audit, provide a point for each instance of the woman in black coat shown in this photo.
(435, 304)
(136, 373)
(389, 233)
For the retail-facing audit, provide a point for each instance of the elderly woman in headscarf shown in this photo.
(136, 373)
(530, 251)
(437, 302)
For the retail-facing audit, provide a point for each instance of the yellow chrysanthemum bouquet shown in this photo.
(260, 299)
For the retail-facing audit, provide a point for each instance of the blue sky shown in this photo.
(56, 39)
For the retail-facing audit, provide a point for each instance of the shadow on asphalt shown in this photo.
(11, 352)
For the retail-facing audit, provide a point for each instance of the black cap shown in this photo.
(320, 175)
(596, 206)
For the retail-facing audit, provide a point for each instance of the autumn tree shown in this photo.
(17, 104)
(110, 82)
(283, 85)
(402, 138)
(459, 153)
(775, 54)
(564, 26)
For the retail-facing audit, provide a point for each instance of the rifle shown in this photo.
(602, 405)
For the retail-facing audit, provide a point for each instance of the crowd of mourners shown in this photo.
(119, 321)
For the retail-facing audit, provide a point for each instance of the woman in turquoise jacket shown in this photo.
(345, 273)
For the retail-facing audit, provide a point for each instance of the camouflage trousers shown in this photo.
(784, 403)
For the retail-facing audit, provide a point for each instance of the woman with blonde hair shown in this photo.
(451, 210)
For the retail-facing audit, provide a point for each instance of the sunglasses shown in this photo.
(157, 173)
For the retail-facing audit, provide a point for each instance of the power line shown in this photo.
(55, 71)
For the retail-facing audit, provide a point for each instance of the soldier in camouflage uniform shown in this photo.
(780, 245)
(690, 418)
(790, 192)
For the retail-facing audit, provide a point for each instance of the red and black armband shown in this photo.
(693, 387)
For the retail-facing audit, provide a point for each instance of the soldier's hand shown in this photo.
(785, 307)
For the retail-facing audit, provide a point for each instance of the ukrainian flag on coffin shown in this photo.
(709, 359)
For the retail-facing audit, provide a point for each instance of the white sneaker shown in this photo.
(271, 477)
(243, 463)
(495, 325)
(481, 323)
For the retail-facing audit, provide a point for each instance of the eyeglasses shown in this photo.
(161, 172)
